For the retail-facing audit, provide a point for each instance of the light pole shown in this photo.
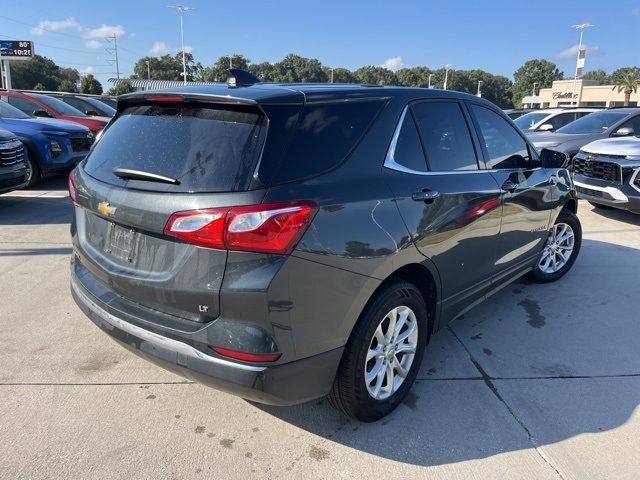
(580, 27)
(181, 10)
(430, 75)
(447, 67)
(479, 94)
(331, 74)
(533, 90)
(148, 70)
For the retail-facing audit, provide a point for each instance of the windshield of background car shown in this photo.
(596, 122)
(527, 121)
(59, 106)
(206, 148)
(9, 111)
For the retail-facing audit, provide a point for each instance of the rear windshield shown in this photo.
(208, 149)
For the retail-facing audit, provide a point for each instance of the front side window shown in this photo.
(445, 136)
(633, 123)
(59, 106)
(504, 146)
(562, 119)
(26, 106)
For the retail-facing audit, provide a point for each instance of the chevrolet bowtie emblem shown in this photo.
(106, 209)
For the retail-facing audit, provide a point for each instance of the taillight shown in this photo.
(73, 190)
(267, 227)
(246, 357)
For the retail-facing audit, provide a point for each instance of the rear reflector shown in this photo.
(73, 190)
(247, 357)
(267, 227)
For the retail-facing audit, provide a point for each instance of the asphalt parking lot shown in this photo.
(541, 381)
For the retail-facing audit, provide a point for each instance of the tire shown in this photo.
(350, 393)
(553, 270)
(601, 206)
(33, 169)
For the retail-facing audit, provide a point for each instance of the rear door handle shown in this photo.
(425, 196)
(509, 186)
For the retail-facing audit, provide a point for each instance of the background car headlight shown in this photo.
(56, 148)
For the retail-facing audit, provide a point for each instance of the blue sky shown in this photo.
(497, 36)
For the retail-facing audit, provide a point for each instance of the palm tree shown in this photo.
(628, 83)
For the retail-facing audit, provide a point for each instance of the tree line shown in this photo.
(41, 73)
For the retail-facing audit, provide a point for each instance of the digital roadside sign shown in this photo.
(16, 49)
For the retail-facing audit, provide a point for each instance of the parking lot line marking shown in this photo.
(35, 195)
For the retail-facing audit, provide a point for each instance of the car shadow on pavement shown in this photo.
(617, 214)
(532, 366)
(45, 204)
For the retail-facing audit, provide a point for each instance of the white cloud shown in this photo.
(87, 71)
(158, 49)
(53, 25)
(572, 52)
(104, 31)
(394, 64)
(92, 44)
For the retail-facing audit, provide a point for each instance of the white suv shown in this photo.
(550, 119)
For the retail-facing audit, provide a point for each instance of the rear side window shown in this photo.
(408, 150)
(324, 137)
(445, 136)
(208, 149)
(505, 147)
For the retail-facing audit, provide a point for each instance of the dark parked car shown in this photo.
(619, 122)
(285, 242)
(111, 101)
(50, 145)
(13, 169)
(90, 106)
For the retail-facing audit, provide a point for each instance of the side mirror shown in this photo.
(546, 127)
(623, 132)
(41, 113)
(554, 159)
(92, 113)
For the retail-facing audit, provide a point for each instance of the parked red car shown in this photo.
(37, 105)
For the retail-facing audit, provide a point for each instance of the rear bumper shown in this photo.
(284, 384)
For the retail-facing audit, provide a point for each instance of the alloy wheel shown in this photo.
(391, 352)
(558, 248)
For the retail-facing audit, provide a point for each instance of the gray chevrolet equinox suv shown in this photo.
(283, 242)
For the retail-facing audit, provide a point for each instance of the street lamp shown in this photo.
(430, 75)
(533, 90)
(479, 94)
(580, 27)
(447, 67)
(182, 9)
(148, 70)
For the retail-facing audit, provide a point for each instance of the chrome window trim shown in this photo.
(390, 162)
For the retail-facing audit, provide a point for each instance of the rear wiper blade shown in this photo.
(127, 174)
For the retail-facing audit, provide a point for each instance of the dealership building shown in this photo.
(587, 94)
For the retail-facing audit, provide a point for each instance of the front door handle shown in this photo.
(509, 186)
(425, 196)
